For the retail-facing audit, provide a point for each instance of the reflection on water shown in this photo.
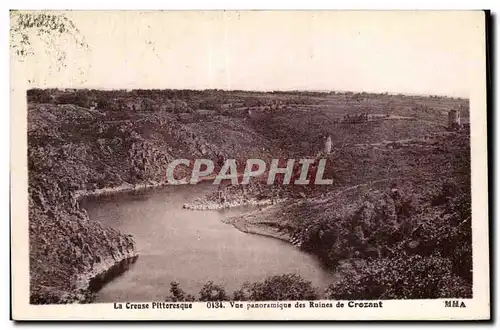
(191, 247)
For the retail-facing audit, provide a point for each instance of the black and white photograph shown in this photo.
(263, 165)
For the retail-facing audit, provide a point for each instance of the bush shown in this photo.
(252, 102)
(37, 95)
(213, 292)
(104, 103)
(178, 294)
(210, 105)
(79, 98)
(278, 287)
(450, 233)
(403, 277)
(371, 227)
(383, 224)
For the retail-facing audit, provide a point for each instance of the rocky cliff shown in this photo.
(74, 152)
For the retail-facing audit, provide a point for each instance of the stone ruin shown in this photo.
(454, 119)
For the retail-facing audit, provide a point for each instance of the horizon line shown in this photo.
(322, 91)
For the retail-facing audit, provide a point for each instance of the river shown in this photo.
(191, 247)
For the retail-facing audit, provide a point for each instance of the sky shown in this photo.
(398, 52)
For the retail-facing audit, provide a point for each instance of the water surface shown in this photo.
(192, 247)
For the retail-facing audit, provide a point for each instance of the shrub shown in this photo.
(104, 103)
(402, 277)
(372, 226)
(213, 292)
(210, 105)
(177, 294)
(79, 98)
(252, 102)
(278, 287)
(37, 95)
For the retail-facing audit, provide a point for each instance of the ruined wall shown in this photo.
(454, 119)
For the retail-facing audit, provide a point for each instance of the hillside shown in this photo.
(385, 222)
(84, 141)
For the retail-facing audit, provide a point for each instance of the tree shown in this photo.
(177, 294)
(402, 277)
(213, 292)
(79, 98)
(278, 287)
(37, 95)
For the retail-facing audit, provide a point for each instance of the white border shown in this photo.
(230, 5)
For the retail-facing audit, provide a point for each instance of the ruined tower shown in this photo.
(328, 145)
(454, 119)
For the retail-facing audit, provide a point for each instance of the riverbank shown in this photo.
(70, 251)
(243, 223)
(111, 267)
(203, 205)
(249, 223)
(95, 252)
(123, 188)
(187, 241)
(253, 194)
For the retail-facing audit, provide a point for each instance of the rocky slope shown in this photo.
(425, 215)
(76, 149)
(256, 193)
(75, 152)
